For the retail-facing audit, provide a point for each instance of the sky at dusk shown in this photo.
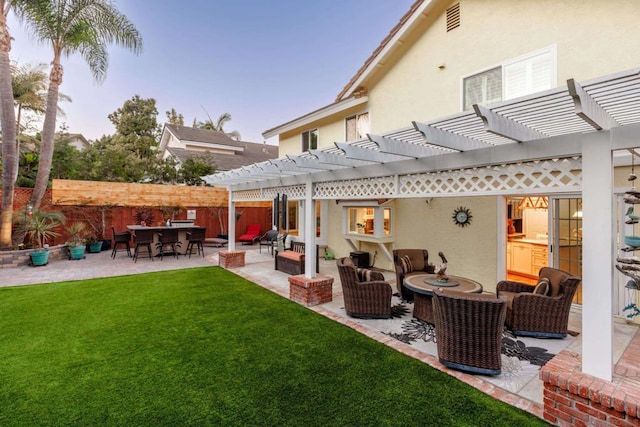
(263, 61)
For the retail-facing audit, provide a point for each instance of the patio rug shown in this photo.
(522, 357)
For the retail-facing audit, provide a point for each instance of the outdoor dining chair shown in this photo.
(269, 240)
(121, 238)
(142, 239)
(168, 240)
(196, 237)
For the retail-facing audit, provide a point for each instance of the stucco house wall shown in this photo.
(422, 81)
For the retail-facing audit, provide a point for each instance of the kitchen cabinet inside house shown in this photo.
(537, 226)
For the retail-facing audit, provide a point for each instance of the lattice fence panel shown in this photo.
(293, 192)
(536, 175)
(565, 174)
(356, 188)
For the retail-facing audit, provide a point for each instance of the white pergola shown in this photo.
(558, 141)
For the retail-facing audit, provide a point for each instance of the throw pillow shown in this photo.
(406, 264)
(542, 288)
(366, 275)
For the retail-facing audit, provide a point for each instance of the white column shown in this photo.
(309, 231)
(232, 222)
(597, 262)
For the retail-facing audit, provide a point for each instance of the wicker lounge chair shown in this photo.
(366, 294)
(540, 315)
(420, 264)
(469, 331)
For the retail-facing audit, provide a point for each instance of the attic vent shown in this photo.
(453, 17)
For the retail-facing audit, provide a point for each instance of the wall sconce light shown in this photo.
(429, 200)
(442, 66)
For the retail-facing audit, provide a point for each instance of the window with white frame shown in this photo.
(521, 76)
(374, 221)
(310, 140)
(357, 127)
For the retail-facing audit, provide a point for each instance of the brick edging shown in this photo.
(572, 397)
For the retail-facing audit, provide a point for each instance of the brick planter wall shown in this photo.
(572, 398)
(311, 292)
(231, 259)
(11, 259)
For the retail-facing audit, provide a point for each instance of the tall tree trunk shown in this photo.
(48, 135)
(8, 124)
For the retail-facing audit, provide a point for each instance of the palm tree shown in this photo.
(8, 125)
(29, 85)
(218, 125)
(85, 27)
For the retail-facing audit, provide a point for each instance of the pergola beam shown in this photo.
(588, 109)
(312, 163)
(445, 139)
(399, 148)
(338, 159)
(502, 126)
(367, 154)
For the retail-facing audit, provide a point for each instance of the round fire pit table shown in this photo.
(423, 286)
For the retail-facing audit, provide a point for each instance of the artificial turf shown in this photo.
(206, 347)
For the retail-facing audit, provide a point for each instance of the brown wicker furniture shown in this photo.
(269, 240)
(423, 285)
(540, 315)
(469, 330)
(120, 238)
(142, 238)
(366, 294)
(292, 261)
(196, 237)
(420, 263)
(168, 239)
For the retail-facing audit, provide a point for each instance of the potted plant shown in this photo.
(77, 242)
(40, 226)
(94, 245)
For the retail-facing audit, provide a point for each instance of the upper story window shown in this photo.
(357, 127)
(521, 76)
(310, 140)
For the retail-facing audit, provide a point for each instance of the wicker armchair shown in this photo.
(366, 294)
(469, 331)
(540, 315)
(420, 262)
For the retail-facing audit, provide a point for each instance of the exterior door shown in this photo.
(566, 221)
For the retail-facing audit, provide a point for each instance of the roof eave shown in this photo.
(392, 42)
(316, 115)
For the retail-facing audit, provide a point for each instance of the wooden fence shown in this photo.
(105, 204)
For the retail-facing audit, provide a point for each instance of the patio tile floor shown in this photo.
(259, 268)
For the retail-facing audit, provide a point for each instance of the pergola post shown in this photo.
(231, 221)
(309, 230)
(597, 260)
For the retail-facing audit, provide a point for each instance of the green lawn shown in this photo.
(206, 347)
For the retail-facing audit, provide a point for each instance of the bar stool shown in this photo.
(120, 238)
(196, 237)
(168, 238)
(142, 238)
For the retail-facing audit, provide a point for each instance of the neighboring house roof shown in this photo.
(75, 139)
(226, 152)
